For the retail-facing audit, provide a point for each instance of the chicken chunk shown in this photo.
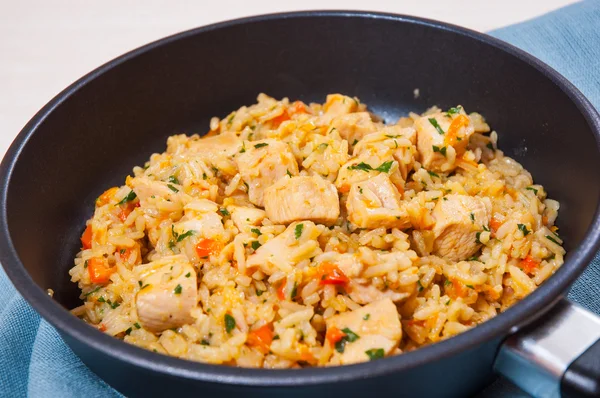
(302, 198)
(442, 139)
(168, 294)
(376, 203)
(218, 150)
(202, 217)
(298, 242)
(458, 219)
(376, 327)
(354, 126)
(262, 164)
(146, 188)
(366, 166)
(246, 217)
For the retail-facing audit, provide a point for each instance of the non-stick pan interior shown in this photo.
(93, 138)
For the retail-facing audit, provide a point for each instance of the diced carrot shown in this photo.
(125, 255)
(102, 327)
(334, 335)
(528, 264)
(86, 238)
(452, 133)
(330, 274)
(544, 220)
(554, 228)
(344, 188)
(206, 247)
(306, 355)
(261, 338)
(276, 121)
(106, 196)
(495, 224)
(280, 292)
(98, 270)
(455, 289)
(126, 211)
(298, 107)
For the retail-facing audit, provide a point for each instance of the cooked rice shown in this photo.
(178, 259)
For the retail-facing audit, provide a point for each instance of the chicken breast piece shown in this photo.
(376, 203)
(246, 217)
(302, 198)
(298, 242)
(168, 293)
(262, 164)
(377, 326)
(458, 219)
(354, 126)
(438, 144)
(219, 150)
(202, 217)
(146, 188)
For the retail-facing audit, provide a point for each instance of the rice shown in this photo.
(433, 232)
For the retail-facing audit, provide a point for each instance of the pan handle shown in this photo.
(557, 355)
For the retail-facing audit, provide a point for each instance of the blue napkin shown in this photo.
(34, 361)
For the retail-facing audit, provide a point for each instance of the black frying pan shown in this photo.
(91, 135)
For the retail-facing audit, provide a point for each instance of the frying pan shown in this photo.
(91, 134)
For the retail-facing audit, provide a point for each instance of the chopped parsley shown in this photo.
(295, 290)
(188, 274)
(523, 229)
(243, 147)
(441, 150)
(262, 144)
(384, 167)
(229, 323)
(454, 110)
(185, 235)
(128, 331)
(102, 300)
(85, 264)
(230, 118)
(472, 217)
(470, 286)
(420, 286)
(224, 211)
(114, 305)
(366, 317)
(477, 235)
(392, 136)
(171, 244)
(375, 353)
(256, 231)
(447, 282)
(204, 176)
(490, 146)
(474, 258)
(360, 189)
(435, 124)
(137, 325)
(551, 239)
(355, 142)
(535, 191)
(130, 196)
(205, 342)
(122, 251)
(322, 147)
(431, 173)
(177, 289)
(276, 337)
(172, 188)
(259, 292)
(173, 180)
(288, 173)
(298, 231)
(348, 338)
(255, 244)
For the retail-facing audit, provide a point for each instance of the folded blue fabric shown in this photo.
(34, 361)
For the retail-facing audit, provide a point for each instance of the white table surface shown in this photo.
(46, 45)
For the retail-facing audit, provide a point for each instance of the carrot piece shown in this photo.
(86, 238)
(495, 224)
(298, 107)
(280, 292)
(99, 271)
(330, 274)
(529, 264)
(126, 211)
(452, 134)
(206, 247)
(102, 327)
(306, 355)
(334, 335)
(106, 196)
(455, 289)
(261, 338)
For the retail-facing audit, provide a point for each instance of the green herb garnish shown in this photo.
(551, 239)
(535, 191)
(435, 124)
(185, 235)
(256, 231)
(298, 231)
(375, 353)
(454, 110)
(441, 150)
(366, 317)
(262, 144)
(172, 188)
(348, 338)
(130, 196)
(174, 180)
(177, 289)
(229, 323)
(255, 244)
(224, 211)
(93, 291)
(523, 229)
(431, 173)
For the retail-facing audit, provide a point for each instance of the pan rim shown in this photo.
(533, 305)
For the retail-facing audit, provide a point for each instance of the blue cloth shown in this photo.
(34, 361)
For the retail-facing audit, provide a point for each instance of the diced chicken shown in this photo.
(354, 126)
(365, 294)
(202, 217)
(302, 198)
(338, 104)
(298, 242)
(146, 188)
(168, 294)
(438, 143)
(377, 326)
(458, 219)
(375, 203)
(219, 150)
(367, 166)
(262, 164)
(246, 217)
